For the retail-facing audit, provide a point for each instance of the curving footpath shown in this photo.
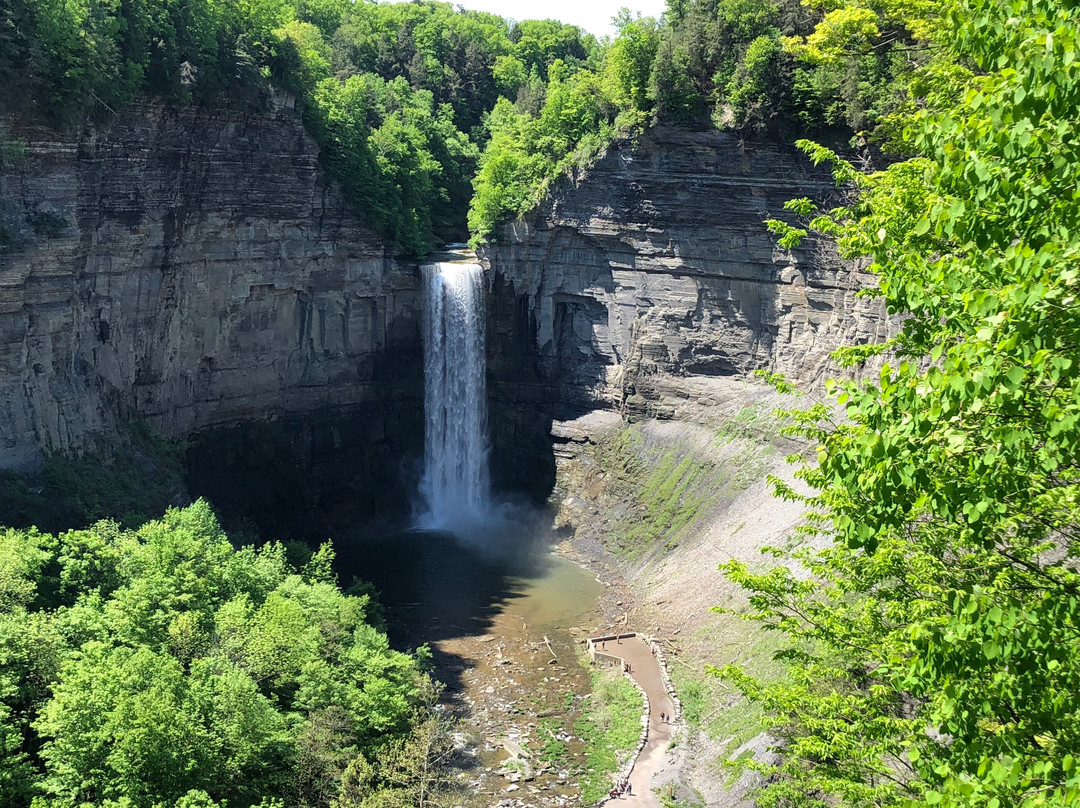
(645, 670)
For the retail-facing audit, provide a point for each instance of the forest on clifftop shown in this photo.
(423, 110)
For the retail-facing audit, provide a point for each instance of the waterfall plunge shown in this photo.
(455, 485)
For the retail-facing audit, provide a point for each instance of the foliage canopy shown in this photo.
(420, 107)
(934, 657)
(162, 667)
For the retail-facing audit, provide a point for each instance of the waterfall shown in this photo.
(455, 484)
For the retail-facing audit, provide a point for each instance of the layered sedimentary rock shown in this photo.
(655, 266)
(193, 268)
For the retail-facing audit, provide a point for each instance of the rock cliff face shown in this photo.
(193, 268)
(655, 267)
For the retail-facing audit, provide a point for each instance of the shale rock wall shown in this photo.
(193, 268)
(654, 268)
(657, 261)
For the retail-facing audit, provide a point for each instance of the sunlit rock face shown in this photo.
(192, 267)
(656, 266)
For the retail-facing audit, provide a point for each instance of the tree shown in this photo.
(629, 62)
(412, 772)
(756, 90)
(526, 153)
(163, 667)
(680, 72)
(935, 654)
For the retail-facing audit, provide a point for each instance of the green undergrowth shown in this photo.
(755, 422)
(670, 487)
(142, 477)
(714, 706)
(610, 725)
(554, 751)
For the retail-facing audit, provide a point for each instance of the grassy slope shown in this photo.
(610, 725)
(671, 501)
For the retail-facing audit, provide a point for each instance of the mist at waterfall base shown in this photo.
(469, 555)
(455, 488)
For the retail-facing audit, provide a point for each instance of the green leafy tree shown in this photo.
(935, 652)
(413, 772)
(679, 84)
(163, 667)
(508, 171)
(756, 90)
(31, 650)
(629, 62)
(526, 153)
(325, 15)
(510, 75)
(541, 43)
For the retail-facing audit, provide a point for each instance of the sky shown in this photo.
(592, 15)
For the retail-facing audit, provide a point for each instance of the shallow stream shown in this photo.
(504, 620)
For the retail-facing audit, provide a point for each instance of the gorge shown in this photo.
(200, 273)
(203, 275)
(766, 353)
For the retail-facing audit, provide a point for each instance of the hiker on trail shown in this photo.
(662, 718)
(629, 788)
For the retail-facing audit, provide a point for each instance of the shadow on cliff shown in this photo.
(302, 475)
(530, 384)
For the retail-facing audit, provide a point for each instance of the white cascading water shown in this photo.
(455, 485)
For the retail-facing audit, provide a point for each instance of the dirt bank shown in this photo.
(654, 507)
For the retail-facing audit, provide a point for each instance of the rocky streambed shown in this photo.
(505, 619)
